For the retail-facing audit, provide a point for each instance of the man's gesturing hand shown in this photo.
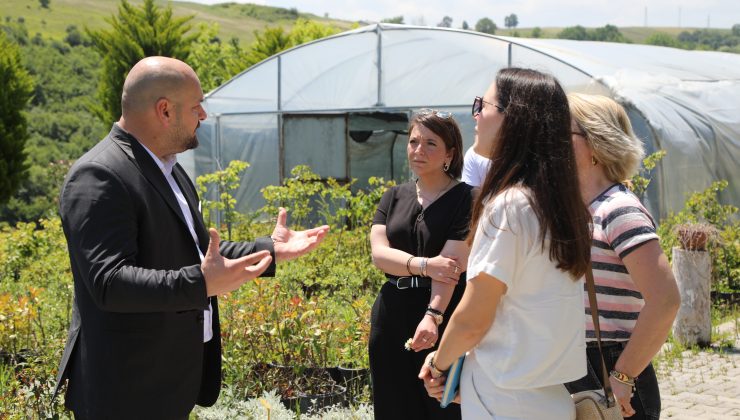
(224, 275)
(290, 244)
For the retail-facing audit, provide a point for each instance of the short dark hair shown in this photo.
(534, 148)
(448, 130)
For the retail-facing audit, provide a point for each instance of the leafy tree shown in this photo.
(136, 33)
(306, 30)
(511, 21)
(446, 22)
(736, 29)
(16, 87)
(396, 19)
(536, 32)
(215, 62)
(486, 25)
(44, 3)
(608, 33)
(663, 39)
(465, 25)
(16, 31)
(61, 126)
(577, 32)
(268, 43)
(74, 36)
(706, 39)
(273, 40)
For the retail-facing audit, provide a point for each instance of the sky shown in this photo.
(530, 13)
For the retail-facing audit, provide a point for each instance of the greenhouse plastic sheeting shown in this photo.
(686, 102)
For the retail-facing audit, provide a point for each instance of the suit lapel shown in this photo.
(191, 197)
(141, 158)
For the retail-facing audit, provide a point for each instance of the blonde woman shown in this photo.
(635, 289)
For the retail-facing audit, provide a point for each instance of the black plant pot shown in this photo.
(355, 380)
(307, 389)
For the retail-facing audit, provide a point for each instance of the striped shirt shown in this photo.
(621, 224)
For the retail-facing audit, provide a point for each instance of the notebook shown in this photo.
(452, 383)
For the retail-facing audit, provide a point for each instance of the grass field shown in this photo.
(235, 20)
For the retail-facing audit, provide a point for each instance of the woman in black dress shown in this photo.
(417, 239)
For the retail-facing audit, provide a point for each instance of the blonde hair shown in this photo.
(609, 134)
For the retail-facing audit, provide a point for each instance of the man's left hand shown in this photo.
(290, 244)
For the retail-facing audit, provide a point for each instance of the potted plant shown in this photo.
(695, 236)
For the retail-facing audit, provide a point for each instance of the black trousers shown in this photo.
(646, 400)
(398, 393)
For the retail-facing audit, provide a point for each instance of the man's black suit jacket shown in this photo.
(135, 347)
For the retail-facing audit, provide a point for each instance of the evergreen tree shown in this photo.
(16, 87)
(136, 33)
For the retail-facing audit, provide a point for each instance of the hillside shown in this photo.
(235, 20)
(635, 34)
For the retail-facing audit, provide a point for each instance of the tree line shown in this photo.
(484, 24)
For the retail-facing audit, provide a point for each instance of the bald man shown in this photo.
(144, 341)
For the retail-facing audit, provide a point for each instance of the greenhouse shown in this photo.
(341, 105)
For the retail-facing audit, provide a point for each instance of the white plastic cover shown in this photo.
(686, 102)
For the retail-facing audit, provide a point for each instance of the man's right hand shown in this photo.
(224, 275)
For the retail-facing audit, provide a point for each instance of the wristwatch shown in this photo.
(436, 315)
(436, 373)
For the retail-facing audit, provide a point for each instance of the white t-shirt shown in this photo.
(537, 337)
(475, 168)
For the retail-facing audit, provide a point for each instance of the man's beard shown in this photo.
(192, 142)
(184, 139)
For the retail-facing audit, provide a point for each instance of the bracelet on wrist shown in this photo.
(408, 265)
(424, 262)
(623, 378)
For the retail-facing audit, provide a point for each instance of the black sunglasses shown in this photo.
(478, 105)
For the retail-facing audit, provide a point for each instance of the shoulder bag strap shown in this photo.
(590, 286)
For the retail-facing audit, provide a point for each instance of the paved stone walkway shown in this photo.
(704, 384)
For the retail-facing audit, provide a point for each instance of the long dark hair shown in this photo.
(534, 148)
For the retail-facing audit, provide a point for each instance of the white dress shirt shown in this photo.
(166, 168)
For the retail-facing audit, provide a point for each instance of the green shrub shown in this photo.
(704, 207)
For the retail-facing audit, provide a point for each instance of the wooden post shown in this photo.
(693, 272)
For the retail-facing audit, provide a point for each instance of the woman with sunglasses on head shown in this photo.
(521, 316)
(418, 240)
(635, 288)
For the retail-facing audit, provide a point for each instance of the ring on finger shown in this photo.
(456, 268)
